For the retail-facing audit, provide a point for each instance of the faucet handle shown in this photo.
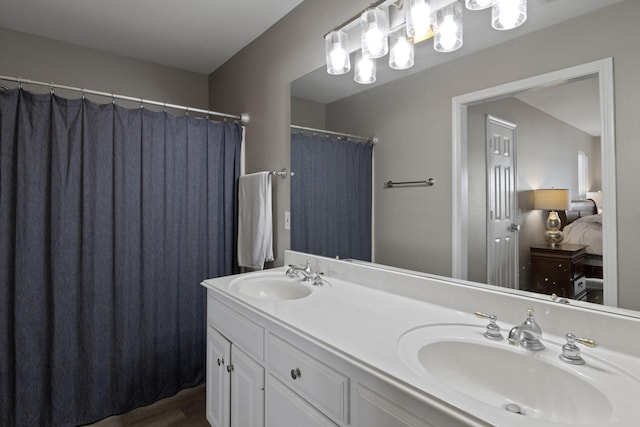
(493, 330)
(571, 352)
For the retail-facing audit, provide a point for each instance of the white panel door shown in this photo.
(502, 204)
(247, 391)
(218, 380)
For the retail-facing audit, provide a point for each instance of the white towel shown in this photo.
(255, 228)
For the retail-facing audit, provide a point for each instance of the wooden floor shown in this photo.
(187, 408)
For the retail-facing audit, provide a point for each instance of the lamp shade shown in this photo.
(554, 199)
(596, 196)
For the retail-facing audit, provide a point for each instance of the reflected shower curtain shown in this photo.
(331, 196)
(109, 220)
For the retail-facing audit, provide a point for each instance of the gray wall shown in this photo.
(546, 157)
(257, 80)
(37, 58)
(308, 113)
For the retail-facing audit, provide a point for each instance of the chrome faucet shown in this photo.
(528, 334)
(307, 273)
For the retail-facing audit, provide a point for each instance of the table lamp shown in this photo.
(552, 200)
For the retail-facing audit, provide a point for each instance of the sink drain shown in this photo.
(512, 407)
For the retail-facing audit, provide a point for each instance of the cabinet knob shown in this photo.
(220, 361)
(295, 373)
(229, 368)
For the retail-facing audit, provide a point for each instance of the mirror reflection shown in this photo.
(557, 135)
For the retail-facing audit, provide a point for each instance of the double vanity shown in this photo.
(369, 346)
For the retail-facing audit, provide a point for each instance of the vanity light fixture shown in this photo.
(508, 14)
(418, 20)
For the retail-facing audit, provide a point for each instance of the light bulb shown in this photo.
(365, 71)
(401, 54)
(374, 41)
(509, 14)
(421, 19)
(448, 28)
(338, 56)
(448, 31)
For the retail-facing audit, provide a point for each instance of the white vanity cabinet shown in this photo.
(235, 385)
(281, 378)
(235, 375)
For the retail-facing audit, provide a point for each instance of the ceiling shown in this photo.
(195, 35)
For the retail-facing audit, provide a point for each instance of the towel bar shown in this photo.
(428, 182)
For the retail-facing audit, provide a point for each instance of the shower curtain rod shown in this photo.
(372, 139)
(243, 117)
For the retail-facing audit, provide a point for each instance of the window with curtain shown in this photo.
(109, 220)
(331, 196)
(583, 174)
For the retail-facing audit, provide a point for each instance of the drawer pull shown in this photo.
(229, 368)
(220, 361)
(295, 373)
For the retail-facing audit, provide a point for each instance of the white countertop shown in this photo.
(364, 325)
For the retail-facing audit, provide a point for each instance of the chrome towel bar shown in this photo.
(428, 182)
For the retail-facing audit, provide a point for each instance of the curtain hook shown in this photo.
(83, 93)
(141, 103)
(19, 84)
(51, 86)
(113, 98)
(165, 107)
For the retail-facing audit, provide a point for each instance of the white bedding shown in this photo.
(585, 231)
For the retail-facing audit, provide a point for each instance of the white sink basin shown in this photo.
(271, 286)
(520, 386)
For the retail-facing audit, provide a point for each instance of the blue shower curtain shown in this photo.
(109, 220)
(331, 196)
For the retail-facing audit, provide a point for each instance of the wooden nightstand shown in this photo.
(559, 270)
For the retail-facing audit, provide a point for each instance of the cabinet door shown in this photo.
(218, 359)
(284, 408)
(247, 391)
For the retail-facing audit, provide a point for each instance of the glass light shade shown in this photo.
(336, 45)
(365, 72)
(401, 50)
(508, 14)
(479, 4)
(420, 19)
(374, 26)
(448, 28)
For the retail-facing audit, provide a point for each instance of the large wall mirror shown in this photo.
(433, 123)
